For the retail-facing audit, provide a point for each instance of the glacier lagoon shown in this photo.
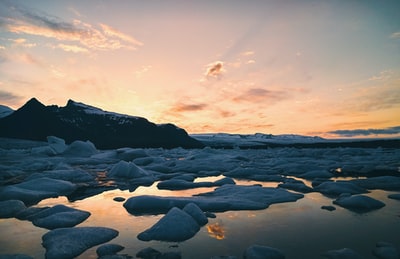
(300, 229)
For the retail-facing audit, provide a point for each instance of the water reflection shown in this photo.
(216, 230)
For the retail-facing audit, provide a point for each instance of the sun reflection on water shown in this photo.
(216, 230)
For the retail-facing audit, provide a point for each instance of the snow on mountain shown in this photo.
(253, 140)
(5, 111)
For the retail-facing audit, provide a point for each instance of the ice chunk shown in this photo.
(344, 253)
(72, 175)
(125, 169)
(359, 203)
(263, 252)
(329, 208)
(224, 198)
(196, 213)
(175, 226)
(59, 216)
(108, 249)
(35, 190)
(337, 188)
(71, 242)
(57, 144)
(316, 174)
(10, 208)
(384, 250)
(389, 183)
(150, 253)
(81, 149)
(395, 196)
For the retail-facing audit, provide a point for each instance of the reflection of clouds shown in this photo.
(216, 230)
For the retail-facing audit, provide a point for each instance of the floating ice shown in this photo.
(35, 190)
(180, 184)
(389, 183)
(108, 249)
(175, 226)
(70, 242)
(57, 144)
(263, 252)
(10, 208)
(15, 256)
(224, 198)
(150, 253)
(59, 216)
(125, 169)
(81, 149)
(395, 196)
(71, 175)
(196, 213)
(359, 203)
(337, 188)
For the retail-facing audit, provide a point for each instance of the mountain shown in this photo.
(78, 121)
(5, 111)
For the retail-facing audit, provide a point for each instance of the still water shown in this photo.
(300, 229)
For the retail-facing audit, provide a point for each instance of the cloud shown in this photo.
(215, 70)
(71, 48)
(20, 20)
(366, 132)
(182, 107)
(8, 97)
(261, 95)
(395, 35)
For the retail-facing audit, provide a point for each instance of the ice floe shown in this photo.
(10, 208)
(59, 216)
(108, 249)
(395, 196)
(81, 149)
(180, 184)
(15, 256)
(35, 190)
(125, 169)
(359, 203)
(151, 253)
(70, 242)
(339, 187)
(175, 226)
(224, 198)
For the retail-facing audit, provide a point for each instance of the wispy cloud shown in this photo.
(261, 95)
(8, 97)
(71, 48)
(366, 132)
(20, 20)
(184, 107)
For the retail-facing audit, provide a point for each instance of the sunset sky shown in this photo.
(328, 68)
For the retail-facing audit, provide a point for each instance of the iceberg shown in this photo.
(10, 208)
(359, 203)
(260, 252)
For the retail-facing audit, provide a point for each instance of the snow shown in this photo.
(70, 242)
(5, 111)
(359, 203)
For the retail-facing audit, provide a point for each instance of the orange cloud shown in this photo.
(261, 94)
(214, 69)
(25, 21)
(181, 107)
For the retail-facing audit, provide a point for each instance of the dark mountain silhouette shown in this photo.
(78, 121)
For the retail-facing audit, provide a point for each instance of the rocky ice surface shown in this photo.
(42, 170)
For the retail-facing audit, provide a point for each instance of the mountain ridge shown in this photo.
(78, 121)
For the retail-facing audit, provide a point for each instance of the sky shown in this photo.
(326, 68)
